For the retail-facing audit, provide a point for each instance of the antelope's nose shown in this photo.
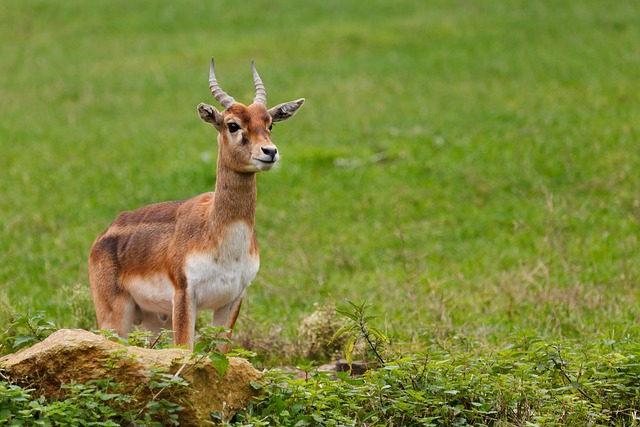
(271, 151)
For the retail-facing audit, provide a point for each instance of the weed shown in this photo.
(209, 342)
(525, 384)
(360, 329)
(26, 330)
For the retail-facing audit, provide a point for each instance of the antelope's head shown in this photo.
(244, 132)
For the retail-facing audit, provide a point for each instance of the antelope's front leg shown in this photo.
(184, 319)
(226, 316)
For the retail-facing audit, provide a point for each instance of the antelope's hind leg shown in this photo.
(115, 308)
(114, 312)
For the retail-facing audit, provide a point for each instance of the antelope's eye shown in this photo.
(233, 128)
(270, 127)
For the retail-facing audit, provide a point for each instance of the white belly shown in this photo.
(153, 294)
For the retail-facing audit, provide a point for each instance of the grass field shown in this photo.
(470, 168)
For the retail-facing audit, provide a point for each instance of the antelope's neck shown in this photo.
(236, 196)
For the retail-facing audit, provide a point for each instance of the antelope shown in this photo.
(157, 265)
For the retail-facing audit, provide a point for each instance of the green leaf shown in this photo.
(23, 339)
(348, 314)
(219, 362)
(107, 396)
(378, 334)
(343, 330)
(201, 347)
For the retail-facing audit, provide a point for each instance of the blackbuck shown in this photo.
(156, 266)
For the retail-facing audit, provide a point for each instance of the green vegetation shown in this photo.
(467, 167)
(532, 383)
(97, 403)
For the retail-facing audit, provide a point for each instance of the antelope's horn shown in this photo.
(221, 96)
(261, 93)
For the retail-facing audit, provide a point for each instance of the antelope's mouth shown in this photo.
(266, 160)
(264, 164)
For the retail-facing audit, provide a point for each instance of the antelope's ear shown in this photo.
(210, 115)
(282, 112)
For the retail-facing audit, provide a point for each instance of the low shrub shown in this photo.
(531, 383)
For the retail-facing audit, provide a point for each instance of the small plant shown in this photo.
(111, 335)
(26, 330)
(208, 343)
(13, 400)
(147, 339)
(165, 390)
(359, 330)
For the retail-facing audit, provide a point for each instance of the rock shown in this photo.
(76, 355)
(357, 367)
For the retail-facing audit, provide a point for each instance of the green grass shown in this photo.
(468, 167)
